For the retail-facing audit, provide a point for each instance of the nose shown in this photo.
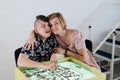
(47, 27)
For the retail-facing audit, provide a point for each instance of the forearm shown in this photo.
(76, 56)
(24, 61)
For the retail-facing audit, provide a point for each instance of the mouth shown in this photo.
(47, 31)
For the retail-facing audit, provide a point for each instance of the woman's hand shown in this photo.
(31, 42)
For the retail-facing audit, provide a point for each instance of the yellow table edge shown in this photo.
(100, 76)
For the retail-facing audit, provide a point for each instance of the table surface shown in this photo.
(65, 71)
(68, 68)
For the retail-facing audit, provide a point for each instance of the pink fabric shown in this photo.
(78, 42)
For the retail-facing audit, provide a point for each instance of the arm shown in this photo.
(80, 55)
(55, 57)
(24, 61)
(30, 41)
(78, 45)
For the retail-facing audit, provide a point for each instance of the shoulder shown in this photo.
(52, 38)
(74, 32)
(71, 30)
(52, 41)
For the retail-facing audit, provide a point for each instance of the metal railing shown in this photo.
(101, 43)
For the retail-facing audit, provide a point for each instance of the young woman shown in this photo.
(71, 41)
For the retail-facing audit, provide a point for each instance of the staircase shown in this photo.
(113, 42)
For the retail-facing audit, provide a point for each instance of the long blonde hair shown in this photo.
(60, 17)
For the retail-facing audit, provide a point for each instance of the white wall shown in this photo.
(16, 21)
(105, 23)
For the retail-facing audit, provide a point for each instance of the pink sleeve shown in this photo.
(79, 40)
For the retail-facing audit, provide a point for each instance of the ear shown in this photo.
(35, 30)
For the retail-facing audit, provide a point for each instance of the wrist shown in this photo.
(45, 66)
(65, 52)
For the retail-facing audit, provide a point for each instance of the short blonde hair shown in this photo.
(60, 17)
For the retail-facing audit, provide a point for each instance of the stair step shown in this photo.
(109, 42)
(118, 30)
(106, 56)
(106, 71)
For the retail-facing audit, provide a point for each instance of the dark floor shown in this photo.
(116, 70)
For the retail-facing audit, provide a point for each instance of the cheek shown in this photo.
(40, 31)
(52, 29)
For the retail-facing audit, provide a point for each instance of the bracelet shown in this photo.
(65, 52)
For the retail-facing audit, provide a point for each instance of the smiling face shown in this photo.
(57, 23)
(56, 26)
(42, 28)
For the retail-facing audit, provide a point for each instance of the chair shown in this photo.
(88, 44)
(16, 54)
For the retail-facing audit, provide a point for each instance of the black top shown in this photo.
(43, 51)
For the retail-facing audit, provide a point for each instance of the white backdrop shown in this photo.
(17, 17)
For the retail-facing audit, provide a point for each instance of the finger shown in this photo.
(55, 59)
(56, 65)
(26, 46)
(35, 43)
(53, 66)
(32, 46)
(51, 61)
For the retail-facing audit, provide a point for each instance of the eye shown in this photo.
(43, 26)
(56, 23)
